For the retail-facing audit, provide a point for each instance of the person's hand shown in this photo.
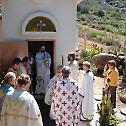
(108, 80)
(81, 98)
(106, 67)
(45, 61)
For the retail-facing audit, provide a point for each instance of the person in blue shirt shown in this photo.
(7, 87)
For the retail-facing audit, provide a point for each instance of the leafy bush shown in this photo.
(102, 27)
(89, 53)
(105, 111)
(84, 10)
(114, 120)
(101, 13)
(84, 53)
(93, 34)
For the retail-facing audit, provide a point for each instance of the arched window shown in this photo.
(40, 24)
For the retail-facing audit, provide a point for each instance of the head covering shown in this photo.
(66, 70)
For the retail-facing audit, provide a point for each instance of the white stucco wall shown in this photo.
(63, 11)
(1, 32)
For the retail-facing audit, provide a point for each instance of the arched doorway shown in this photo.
(40, 31)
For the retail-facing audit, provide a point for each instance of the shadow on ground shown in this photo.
(45, 109)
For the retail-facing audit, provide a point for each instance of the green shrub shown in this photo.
(84, 53)
(114, 120)
(101, 13)
(84, 10)
(105, 111)
(93, 34)
(93, 26)
(102, 27)
(82, 17)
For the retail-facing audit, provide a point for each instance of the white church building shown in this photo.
(28, 24)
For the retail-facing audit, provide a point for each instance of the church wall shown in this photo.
(1, 33)
(64, 11)
(18, 49)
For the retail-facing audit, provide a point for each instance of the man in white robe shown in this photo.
(65, 103)
(43, 63)
(80, 77)
(20, 107)
(73, 65)
(87, 93)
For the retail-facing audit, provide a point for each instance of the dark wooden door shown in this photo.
(33, 48)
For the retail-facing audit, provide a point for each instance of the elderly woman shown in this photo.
(7, 87)
(8, 83)
(20, 107)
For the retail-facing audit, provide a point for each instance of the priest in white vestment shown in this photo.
(80, 77)
(43, 63)
(73, 65)
(20, 108)
(65, 103)
(87, 93)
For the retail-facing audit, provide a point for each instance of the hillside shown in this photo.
(119, 5)
(109, 15)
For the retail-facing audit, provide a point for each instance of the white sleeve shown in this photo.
(49, 59)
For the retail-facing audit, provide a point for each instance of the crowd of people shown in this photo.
(69, 93)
